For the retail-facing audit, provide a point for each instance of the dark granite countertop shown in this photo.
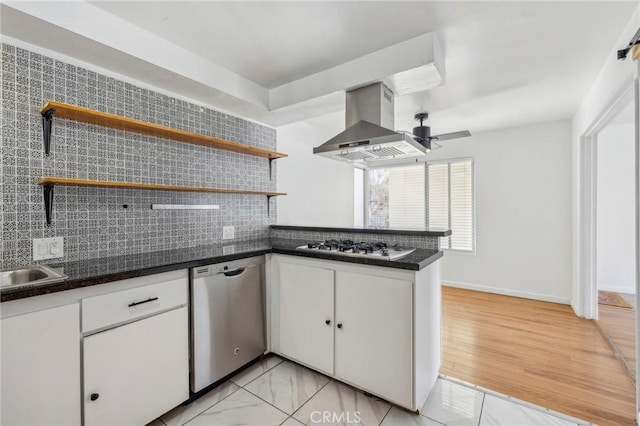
(371, 230)
(84, 273)
(414, 261)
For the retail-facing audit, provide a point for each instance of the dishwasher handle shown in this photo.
(235, 272)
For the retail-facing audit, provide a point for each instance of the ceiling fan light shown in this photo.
(422, 132)
(424, 142)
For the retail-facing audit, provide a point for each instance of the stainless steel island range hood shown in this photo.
(368, 136)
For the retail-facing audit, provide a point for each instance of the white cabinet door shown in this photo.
(136, 372)
(373, 336)
(41, 368)
(306, 314)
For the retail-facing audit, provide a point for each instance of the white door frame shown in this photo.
(637, 156)
(587, 220)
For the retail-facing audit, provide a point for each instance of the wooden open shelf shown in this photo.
(49, 182)
(111, 184)
(72, 112)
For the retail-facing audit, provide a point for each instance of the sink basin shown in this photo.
(31, 275)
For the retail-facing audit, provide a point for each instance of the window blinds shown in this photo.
(440, 197)
(438, 193)
(406, 197)
(397, 197)
(451, 202)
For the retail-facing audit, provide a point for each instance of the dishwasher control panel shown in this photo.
(208, 270)
(202, 271)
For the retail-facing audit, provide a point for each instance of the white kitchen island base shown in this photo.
(372, 327)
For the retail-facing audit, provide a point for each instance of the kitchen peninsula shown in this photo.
(347, 315)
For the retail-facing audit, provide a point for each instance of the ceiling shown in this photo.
(507, 63)
(273, 43)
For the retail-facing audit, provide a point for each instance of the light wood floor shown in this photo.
(535, 351)
(619, 325)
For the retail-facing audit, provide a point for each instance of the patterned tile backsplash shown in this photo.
(414, 241)
(93, 221)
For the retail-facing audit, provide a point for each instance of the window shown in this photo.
(396, 197)
(450, 202)
(435, 195)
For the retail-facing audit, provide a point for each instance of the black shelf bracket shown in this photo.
(47, 124)
(270, 168)
(269, 205)
(48, 201)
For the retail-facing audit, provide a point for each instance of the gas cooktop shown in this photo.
(379, 250)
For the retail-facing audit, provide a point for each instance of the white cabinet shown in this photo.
(138, 368)
(374, 334)
(40, 368)
(372, 327)
(306, 314)
(136, 372)
(134, 336)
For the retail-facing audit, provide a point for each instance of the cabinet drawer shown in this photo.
(122, 306)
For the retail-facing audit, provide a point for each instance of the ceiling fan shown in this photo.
(422, 133)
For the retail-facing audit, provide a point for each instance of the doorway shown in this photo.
(586, 297)
(615, 236)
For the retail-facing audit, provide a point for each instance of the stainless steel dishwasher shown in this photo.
(227, 318)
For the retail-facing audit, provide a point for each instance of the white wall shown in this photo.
(614, 76)
(523, 224)
(523, 194)
(320, 190)
(616, 209)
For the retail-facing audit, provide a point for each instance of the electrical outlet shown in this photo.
(48, 248)
(227, 232)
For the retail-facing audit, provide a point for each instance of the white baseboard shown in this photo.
(577, 311)
(507, 292)
(617, 289)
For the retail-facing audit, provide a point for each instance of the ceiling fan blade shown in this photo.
(454, 135)
(435, 146)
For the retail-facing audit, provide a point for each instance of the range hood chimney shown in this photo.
(369, 136)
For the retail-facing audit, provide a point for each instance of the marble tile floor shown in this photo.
(275, 391)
